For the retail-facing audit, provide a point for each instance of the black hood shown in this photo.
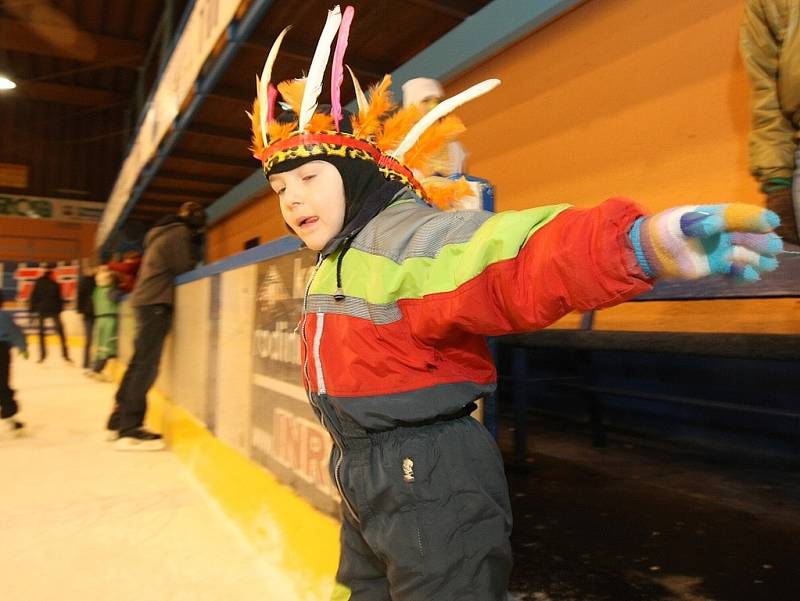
(366, 191)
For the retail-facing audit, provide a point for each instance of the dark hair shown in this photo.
(193, 214)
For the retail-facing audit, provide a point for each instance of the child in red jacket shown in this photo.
(395, 316)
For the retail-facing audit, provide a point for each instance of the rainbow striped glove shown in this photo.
(692, 242)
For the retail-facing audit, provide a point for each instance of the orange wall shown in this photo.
(260, 217)
(639, 98)
(45, 239)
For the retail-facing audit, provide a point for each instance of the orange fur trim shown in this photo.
(396, 127)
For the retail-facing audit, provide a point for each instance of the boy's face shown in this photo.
(312, 201)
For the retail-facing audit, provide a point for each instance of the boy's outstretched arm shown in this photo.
(521, 271)
(584, 259)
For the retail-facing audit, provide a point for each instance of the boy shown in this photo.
(395, 316)
(10, 335)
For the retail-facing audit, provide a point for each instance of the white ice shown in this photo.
(81, 521)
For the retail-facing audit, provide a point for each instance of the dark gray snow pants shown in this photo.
(426, 516)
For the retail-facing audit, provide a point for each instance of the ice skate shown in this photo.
(112, 426)
(139, 440)
(10, 427)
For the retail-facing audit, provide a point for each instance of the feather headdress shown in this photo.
(403, 142)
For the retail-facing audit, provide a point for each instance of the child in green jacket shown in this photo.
(104, 334)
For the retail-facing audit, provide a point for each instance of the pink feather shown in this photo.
(337, 68)
(272, 94)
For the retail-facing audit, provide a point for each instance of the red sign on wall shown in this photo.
(23, 277)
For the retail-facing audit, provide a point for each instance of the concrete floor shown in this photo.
(80, 521)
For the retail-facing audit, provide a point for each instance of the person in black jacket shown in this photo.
(86, 309)
(46, 303)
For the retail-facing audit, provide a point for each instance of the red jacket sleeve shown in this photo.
(580, 260)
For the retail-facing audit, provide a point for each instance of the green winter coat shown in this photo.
(104, 332)
(770, 46)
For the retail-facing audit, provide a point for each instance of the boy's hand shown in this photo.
(692, 242)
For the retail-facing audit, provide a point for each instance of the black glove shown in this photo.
(779, 200)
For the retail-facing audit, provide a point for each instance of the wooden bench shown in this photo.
(585, 341)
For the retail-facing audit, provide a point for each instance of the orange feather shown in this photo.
(443, 193)
(280, 131)
(320, 122)
(292, 93)
(255, 124)
(435, 137)
(380, 102)
(397, 126)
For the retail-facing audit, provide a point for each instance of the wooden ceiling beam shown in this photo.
(156, 200)
(194, 177)
(51, 40)
(65, 94)
(155, 208)
(177, 193)
(231, 94)
(212, 159)
(215, 131)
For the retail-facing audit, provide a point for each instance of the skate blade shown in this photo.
(13, 430)
(126, 443)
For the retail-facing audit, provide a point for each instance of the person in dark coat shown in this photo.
(171, 248)
(46, 303)
(10, 336)
(86, 309)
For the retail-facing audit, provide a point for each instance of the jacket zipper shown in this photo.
(317, 339)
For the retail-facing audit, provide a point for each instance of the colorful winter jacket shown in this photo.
(10, 332)
(770, 45)
(421, 288)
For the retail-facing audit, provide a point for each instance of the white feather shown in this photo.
(439, 111)
(318, 64)
(361, 99)
(266, 76)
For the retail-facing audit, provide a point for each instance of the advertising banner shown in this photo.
(34, 207)
(17, 280)
(286, 436)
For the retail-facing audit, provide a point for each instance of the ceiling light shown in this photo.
(6, 83)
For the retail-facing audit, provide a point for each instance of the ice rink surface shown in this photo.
(80, 521)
